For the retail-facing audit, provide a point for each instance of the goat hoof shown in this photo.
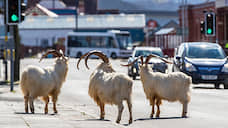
(130, 121)
(55, 112)
(151, 116)
(117, 121)
(45, 112)
(101, 118)
(184, 116)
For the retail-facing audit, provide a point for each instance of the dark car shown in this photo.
(204, 62)
(158, 65)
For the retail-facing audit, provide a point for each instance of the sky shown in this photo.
(169, 5)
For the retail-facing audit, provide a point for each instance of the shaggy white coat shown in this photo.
(109, 87)
(36, 81)
(171, 87)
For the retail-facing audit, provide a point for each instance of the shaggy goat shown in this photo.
(159, 86)
(109, 87)
(44, 82)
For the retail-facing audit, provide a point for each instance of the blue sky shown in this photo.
(161, 5)
(166, 1)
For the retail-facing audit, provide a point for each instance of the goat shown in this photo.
(106, 86)
(44, 82)
(159, 86)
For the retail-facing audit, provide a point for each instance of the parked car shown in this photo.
(204, 62)
(158, 65)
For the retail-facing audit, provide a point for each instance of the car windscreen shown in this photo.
(148, 52)
(205, 51)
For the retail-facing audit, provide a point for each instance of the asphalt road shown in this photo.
(208, 106)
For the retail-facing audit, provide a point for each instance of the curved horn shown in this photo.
(99, 54)
(140, 57)
(153, 55)
(81, 58)
(53, 52)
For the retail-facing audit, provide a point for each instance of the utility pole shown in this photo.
(76, 15)
(17, 53)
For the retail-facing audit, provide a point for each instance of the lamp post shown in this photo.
(76, 15)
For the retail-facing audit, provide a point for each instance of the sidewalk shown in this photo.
(12, 114)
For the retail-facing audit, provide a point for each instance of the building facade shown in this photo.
(196, 13)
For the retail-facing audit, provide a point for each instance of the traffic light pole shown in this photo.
(11, 60)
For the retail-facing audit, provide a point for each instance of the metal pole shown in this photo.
(76, 15)
(11, 60)
(186, 20)
(183, 17)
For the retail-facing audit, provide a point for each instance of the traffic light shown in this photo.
(202, 27)
(22, 11)
(12, 12)
(210, 24)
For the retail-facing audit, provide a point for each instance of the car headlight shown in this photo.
(225, 68)
(189, 67)
(134, 70)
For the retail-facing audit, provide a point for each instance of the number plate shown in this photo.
(209, 77)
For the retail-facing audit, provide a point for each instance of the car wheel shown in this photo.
(79, 54)
(225, 86)
(113, 56)
(217, 85)
(134, 77)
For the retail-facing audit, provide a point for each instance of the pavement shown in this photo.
(12, 114)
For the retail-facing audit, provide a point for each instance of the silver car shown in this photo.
(156, 64)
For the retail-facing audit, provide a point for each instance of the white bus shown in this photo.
(113, 43)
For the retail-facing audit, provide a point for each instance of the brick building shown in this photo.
(196, 13)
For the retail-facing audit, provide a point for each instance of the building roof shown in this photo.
(164, 31)
(84, 22)
(40, 10)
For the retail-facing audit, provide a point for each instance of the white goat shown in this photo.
(109, 87)
(44, 82)
(159, 86)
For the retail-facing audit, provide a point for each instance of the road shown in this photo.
(208, 106)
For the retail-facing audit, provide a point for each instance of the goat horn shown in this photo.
(152, 55)
(53, 52)
(81, 58)
(140, 57)
(97, 53)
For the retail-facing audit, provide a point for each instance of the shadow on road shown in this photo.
(23, 113)
(205, 88)
(93, 120)
(160, 118)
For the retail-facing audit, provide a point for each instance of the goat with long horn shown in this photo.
(44, 82)
(160, 86)
(109, 87)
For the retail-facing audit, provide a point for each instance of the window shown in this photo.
(44, 43)
(110, 43)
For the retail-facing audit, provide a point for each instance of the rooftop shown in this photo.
(84, 22)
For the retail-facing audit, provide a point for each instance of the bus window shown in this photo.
(110, 43)
(124, 40)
